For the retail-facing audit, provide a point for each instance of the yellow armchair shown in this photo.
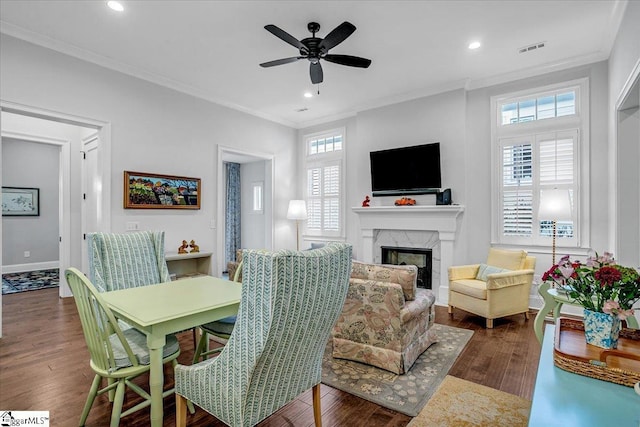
(499, 288)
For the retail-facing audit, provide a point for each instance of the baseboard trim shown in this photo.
(20, 268)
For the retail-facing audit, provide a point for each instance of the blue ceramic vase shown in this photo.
(601, 329)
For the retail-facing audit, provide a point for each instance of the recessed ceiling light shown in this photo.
(115, 5)
(308, 95)
(474, 45)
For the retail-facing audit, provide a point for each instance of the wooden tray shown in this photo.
(572, 353)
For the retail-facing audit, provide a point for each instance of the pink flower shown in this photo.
(613, 308)
(610, 307)
(567, 270)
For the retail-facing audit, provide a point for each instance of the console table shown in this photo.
(553, 301)
(189, 264)
(565, 399)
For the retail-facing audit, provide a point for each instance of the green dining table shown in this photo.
(166, 308)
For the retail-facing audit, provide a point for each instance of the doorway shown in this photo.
(627, 173)
(256, 170)
(35, 124)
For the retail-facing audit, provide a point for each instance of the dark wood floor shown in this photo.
(44, 366)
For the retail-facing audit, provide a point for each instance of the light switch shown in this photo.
(133, 226)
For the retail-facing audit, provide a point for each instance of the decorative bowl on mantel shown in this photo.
(405, 201)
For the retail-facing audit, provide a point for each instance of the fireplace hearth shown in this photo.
(420, 257)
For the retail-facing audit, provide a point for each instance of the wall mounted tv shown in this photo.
(406, 170)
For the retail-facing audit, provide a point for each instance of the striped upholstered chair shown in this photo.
(128, 260)
(290, 301)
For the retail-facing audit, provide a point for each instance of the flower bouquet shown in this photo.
(607, 291)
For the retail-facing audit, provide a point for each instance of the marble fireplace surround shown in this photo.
(429, 227)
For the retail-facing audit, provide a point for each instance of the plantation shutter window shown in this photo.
(324, 186)
(539, 145)
(517, 195)
(558, 171)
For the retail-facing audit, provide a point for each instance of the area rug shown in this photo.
(406, 393)
(461, 403)
(29, 281)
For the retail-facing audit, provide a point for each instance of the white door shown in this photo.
(90, 182)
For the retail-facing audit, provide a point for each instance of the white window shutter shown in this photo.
(556, 160)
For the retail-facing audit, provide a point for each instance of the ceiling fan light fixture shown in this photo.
(115, 5)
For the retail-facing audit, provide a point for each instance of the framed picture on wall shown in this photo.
(156, 191)
(20, 201)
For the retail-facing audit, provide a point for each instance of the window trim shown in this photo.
(322, 160)
(579, 121)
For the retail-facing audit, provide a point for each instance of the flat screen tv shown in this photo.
(406, 170)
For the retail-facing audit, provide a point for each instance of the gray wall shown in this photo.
(33, 165)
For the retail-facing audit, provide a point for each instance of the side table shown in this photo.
(566, 399)
(553, 301)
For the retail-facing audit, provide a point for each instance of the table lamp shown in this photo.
(298, 211)
(555, 205)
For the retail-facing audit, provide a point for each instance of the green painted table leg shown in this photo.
(556, 309)
(156, 381)
(549, 305)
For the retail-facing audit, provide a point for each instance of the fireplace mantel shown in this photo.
(442, 219)
(433, 218)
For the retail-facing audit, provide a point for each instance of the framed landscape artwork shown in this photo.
(19, 201)
(156, 191)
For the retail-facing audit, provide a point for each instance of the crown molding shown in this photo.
(537, 71)
(85, 55)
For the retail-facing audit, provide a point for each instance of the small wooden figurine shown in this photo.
(194, 247)
(365, 202)
(183, 249)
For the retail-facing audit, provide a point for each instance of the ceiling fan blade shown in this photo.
(337, 35)
(283, 35)
(351, 61)
(281, 61)
(316, 73)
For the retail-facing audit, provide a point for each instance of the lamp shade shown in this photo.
(297, 210)
(555, 205)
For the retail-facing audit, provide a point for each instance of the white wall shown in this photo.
(153, 129)
(253, 224)
(437, 118)
(33, 165)
(625, 53)
(477, 159)
(624, 63)
(461, 121)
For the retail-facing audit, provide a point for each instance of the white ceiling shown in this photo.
(211, 49)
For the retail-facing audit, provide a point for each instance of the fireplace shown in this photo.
(419, 257)
(432, 227)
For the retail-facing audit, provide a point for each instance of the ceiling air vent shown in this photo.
(529, 48)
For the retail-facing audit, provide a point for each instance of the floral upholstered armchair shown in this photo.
(386, 320)
(232, 266)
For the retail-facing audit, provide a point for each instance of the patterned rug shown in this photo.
(406, 393)
(29, 281)
(460, 403)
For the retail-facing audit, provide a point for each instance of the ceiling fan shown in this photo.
(315, 48)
